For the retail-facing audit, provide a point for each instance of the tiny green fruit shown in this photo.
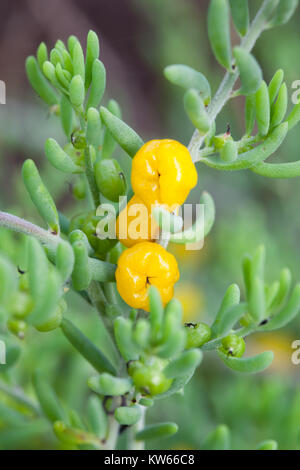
(197, 334)
(233, 345)
(110, 179)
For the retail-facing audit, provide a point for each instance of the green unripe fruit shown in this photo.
(220, 140)
(79, 189)
(233, 345)
(110, 179)
(17, 327)
(21, 304)
(78, 220)
(197, 334)
(89, 227)
(246, 320)
(150, 381)
(78, 140)
(148, 377)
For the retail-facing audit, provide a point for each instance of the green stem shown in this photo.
(215, 343)
(113, 434)
(17, 224)
(91, 178)
(225, 89)
(97, 296)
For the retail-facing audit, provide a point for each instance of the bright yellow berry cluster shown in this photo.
(162, 174)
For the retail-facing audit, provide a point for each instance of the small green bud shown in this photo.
(220, 140)
(149, 378)
(110, 179)
(229, 151)
(17, 327)
(78, 140)
(197, 334)
(233, 345)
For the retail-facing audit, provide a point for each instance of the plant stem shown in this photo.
(113, 434)
(91, 178)
(215, 343)
(225, 89)
(17, 224)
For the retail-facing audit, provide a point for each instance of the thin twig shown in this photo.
(17, 224)
(225, 89)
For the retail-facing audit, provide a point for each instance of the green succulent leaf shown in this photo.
(249, 365)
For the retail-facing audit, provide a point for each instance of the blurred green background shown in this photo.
(138, 39)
